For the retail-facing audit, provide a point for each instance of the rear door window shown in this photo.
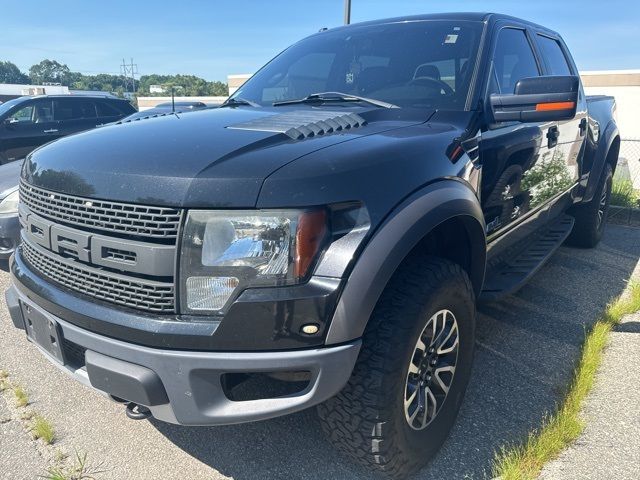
(67, 109)
(106, 110)
(554, 56)
(87, 108)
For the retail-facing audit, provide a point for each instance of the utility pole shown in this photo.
(347, 12)
(129, 71)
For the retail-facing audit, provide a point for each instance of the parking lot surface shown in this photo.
(526, 348)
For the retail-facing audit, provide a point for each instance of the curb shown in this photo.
(624, 216)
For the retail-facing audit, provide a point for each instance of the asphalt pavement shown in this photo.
(527, 348)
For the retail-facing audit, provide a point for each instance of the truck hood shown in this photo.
(216, 158)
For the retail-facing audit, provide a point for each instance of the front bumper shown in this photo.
(186, 387)
(261, 319)
(9, 234)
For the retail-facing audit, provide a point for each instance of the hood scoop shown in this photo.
(302, 124)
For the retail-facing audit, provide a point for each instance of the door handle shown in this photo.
(552, 136)
(583, 127)
(51, 130)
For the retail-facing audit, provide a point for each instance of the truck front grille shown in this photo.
(152, 296)
(122, 218)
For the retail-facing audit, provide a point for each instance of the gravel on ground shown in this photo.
(527, 347)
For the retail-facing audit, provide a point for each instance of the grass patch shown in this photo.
(79, 471)
(22, 398)
(623, 194)
(42, 428)
(525, 462)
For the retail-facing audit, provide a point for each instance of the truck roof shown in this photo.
(460, 16)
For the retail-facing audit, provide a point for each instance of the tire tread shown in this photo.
(352, 418)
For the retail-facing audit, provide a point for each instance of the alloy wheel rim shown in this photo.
(602, 206)
(431, 369)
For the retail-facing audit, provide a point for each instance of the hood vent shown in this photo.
(299, 125)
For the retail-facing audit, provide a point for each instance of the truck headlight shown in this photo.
(224, 252)
(10, 203)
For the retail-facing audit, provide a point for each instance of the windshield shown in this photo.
(424, 64)
(5, 107)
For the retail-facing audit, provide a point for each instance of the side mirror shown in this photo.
(538, 99)
(10, 121)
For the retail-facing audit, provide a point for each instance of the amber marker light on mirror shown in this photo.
(546, 107)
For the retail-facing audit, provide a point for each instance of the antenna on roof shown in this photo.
(347, 12)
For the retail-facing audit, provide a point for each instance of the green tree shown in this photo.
(10, 73)
(101, 82)
(188, 85)
(50, 71)
(219, 89)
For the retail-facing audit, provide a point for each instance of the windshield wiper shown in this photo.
(325, 97)
(235, 101)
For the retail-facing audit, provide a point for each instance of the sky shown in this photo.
(212, 39)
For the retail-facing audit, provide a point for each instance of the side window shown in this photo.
(66, 109)
(553, 54)
(513, 59)
(86, 108)
(22, 116)
(63, 109)
(106, 110)
(43, 112)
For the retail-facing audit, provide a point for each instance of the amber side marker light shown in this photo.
(545, 107)
(312, 230)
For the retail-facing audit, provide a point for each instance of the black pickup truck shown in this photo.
(323, 237)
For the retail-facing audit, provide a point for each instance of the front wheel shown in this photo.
(412, 372)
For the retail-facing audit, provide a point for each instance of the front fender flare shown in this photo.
(409, 223)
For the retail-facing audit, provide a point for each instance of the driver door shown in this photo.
(28, 128)
(514, 155)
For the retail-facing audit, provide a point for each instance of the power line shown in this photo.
(129, 72)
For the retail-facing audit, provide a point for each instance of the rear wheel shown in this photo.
(592, 217)
(412, 372)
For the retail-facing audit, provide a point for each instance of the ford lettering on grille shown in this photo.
(78, 257)
(126, 256)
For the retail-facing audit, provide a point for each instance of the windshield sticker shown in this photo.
(451, 38)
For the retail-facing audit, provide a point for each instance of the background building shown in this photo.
(9, 91)
(236, 81)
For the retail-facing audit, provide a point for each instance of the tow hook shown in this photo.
(137, 412)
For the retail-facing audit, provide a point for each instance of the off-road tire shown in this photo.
(367, 419)
(591, 217)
